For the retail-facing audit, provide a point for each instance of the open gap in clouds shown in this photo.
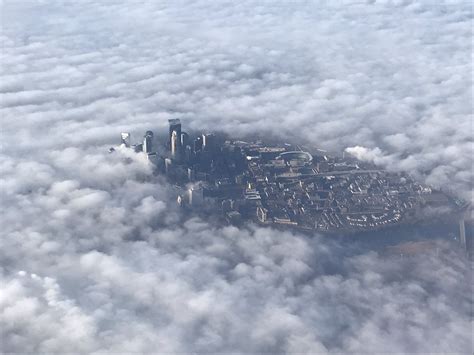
(94, 254)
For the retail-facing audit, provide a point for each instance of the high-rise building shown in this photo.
(198, 144)
(188, 154)
(175, 126)
(153, 158)
(195, 196)
(184, 139)
(174, 144)
(137, 147)
(191, 174)
(148, 142)
(125, 139)
(208, 141)
(168, 166)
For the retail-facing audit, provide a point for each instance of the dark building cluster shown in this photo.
(281, 184)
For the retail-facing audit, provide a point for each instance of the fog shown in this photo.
(96, 256)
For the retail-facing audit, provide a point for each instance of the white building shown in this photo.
(196, 196)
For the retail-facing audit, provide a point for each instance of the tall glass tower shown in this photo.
(175, 126)
(148, 142)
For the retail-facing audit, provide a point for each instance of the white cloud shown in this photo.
(96, 257)
(365, 154)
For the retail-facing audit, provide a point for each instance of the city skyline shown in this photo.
(255, 181)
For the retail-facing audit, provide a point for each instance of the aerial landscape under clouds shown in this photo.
(95, 254)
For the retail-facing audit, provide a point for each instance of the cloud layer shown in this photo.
(96, 257)
(389, 75)
(99, 260)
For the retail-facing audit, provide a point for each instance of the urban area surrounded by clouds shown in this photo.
(98, 256)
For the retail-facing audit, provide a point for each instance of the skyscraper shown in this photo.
(125, 139)
(175, 126)
(168, 166)
(184, 139)
(198, 144)
(195, 196)
(174, 144)
(148, 142)
(208, 141)
(188, 154)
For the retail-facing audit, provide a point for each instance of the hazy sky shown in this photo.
(95, 256)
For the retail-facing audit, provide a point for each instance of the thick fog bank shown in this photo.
(96, 257)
